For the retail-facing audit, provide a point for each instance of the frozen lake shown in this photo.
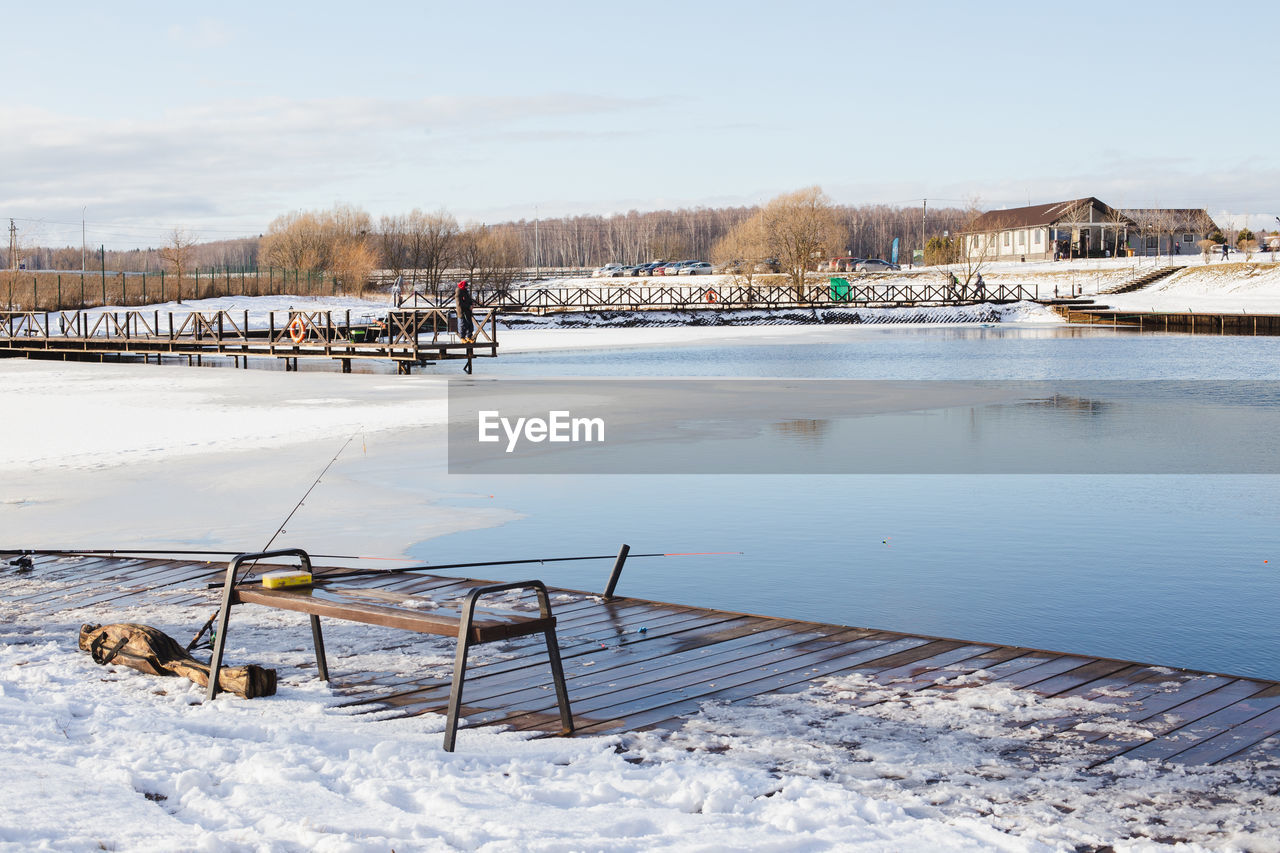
(1172, 569)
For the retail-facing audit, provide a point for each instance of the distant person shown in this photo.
(462, 301)
(1055, 291)
(1224, 251)
(397, 289)
(980, 288)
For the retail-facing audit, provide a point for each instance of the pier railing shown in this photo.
(402, 335)
(637, 297)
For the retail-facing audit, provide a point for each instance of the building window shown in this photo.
(1006, 238)
(1037, 234)
(1188, 238)
(1151, 242)
(1022, 238)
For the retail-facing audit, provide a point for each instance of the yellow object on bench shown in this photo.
(279, 580)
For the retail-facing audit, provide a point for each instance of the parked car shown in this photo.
(846, 264)
(768, 265)
(696, 268)
(648, 269)
(876, 265)
(606, 271)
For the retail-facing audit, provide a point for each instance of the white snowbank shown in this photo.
(106, 758)
(103, 415)
(1217, 287)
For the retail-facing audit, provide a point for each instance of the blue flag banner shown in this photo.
(893, 255)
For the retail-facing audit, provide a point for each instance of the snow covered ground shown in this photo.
(105, 758)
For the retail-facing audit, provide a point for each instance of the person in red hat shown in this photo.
(462, 301)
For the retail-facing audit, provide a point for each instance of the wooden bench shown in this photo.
(334, 601)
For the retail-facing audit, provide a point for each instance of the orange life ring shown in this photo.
(711, 296)
(297, 330)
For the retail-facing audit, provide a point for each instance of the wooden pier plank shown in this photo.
(592, 685)
(503, 677)
(620, 678)
(1208, 725)
(1230, 742)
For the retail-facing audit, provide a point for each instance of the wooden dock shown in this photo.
(634, 664)
(405, 336)
(1083, 311)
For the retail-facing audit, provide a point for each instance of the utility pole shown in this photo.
(83, 243)
(13, 245)
(537, 254)
(924, 214)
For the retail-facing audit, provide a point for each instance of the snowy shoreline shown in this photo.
(122, 454)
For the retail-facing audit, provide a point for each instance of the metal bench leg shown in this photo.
(220, 637)
(459, 674)
(219, 643)
(557, 676)
(224, 615)
(322, 663)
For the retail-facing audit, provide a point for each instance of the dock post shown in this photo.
(617, 571)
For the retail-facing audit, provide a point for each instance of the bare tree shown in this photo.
(1149, 223)
(178, 253)
(469, 248)
(353, 260)
(799, 228)
(1120, 222)
(738, 251)
(430, 241)
(977, 248)
(334, 241)
(391, 243)
(501, 258)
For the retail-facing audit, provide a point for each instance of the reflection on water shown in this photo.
(1179, 570)
(806, 430)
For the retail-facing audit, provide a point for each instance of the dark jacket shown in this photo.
(462, 301)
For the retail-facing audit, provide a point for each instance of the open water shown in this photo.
(1179, 570)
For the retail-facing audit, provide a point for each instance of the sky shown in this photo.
(137, 118)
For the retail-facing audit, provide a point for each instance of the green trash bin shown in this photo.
(356, 335)
(839, 290)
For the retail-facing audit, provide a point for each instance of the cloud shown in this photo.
(259, 157)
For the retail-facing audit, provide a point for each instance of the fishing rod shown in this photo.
(249, 570)
(347, 573)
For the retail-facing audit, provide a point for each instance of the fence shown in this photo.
(833, 292)
(57, 291)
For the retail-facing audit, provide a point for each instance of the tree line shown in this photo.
(347, 243)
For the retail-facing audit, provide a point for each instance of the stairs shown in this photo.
(1145, 280)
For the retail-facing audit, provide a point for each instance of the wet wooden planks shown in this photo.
(633, 664)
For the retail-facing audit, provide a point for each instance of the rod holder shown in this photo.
(617, 571)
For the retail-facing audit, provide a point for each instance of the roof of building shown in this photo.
(1175, 218)
(1037, 214)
